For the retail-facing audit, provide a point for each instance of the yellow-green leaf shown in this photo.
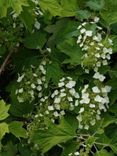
(3, 110)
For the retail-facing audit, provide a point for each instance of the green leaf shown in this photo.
(54, 135)
(28, 22)
(109, 12)
(70, 147)
(35, 40)
(9, 150)
(64, 8)
(16, 5)
(84, 14)
(95, 4)
(72, 51)
(69, 8)
(3, 110)
(54, 72)
(16, 129)
(103, 152)
(108, 119)
(3, 129)
(114, 38)
(51, 5)
(61, 30)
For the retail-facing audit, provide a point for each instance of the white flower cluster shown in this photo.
(31, 83)
(92, 102)
(63, 98)
(87, 103)
(97, 48)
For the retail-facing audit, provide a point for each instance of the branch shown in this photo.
(3, 66)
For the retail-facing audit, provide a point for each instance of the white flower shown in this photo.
(103, 55)
(62, 90)
(33, 86)
(79, 27)
(105, 50)
(76, 153)
(92, 43)
(43, 78)
(86, 127)
(110, 51)
(39, 88)
(93, 122)
(108, 57)
(81, 110)
(62, 112)
(98, 117)
(57, 106)
(97, 38)
(56, 92)
(98, 98)
(72, 91)
(99, 76)
(76, 95)
(62, 94)
(102, 77)
(85, 47)
(42, 100)
(83, 24)
(20, 78)
(56, 114)
(95, 89)
(76, 103)
(41, 67)
(48, 49)
(79, 118)
(96, 19)
(35, 75)
(61, 84)
(63, 79)
(70, 84)
(110, 41)
(70, 99)
(97, 55)
(98, 64)
(100, 44)
(85, 100)
(92, 105)
(40, 95)
(85, 95)
(104, 62)
(20, 99)
(31, 92)
(50, 108)
(108, 88)
(83, 30)
(57, 100)
(79, 39)
(20, 90)
(37, 25)
(39, 81)
(89, 33)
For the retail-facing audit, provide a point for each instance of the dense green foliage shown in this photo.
(58, 77)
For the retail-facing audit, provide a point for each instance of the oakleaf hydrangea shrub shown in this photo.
(63, 78)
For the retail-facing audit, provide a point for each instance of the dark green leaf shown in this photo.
(54, 135)
(35, 40)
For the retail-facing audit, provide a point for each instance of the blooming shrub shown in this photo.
(58, 76)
